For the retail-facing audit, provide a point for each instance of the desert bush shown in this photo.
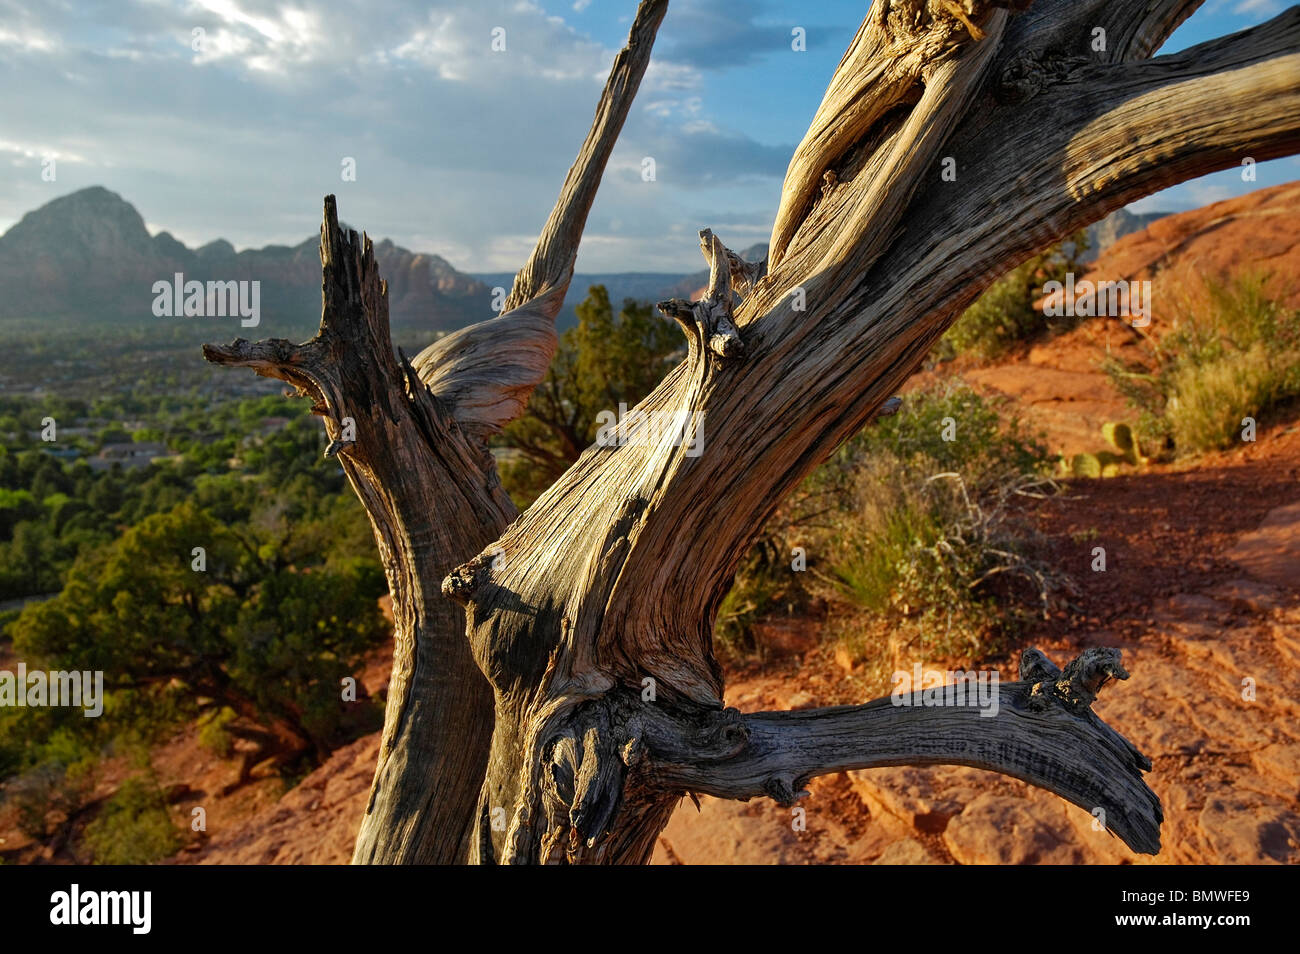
(1233, 352)
(1005, 314)
(134, 827)
(912, 527)
(930, 538)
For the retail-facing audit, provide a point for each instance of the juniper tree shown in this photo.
(553, 670)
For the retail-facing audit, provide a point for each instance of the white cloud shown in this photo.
(28, 41)
(1266, 8)
(460, 150)
(272, 43)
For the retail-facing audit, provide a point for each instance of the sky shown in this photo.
(232, 118)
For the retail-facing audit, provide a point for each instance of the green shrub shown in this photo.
(260, 629)
(914, 528)
(984, 449)
(48, 795)
(134, 827)
(928, 555)
(1005, 314)
(1234, 352)
(213, 735)
(1209, 402)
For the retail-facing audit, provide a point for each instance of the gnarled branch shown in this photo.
(1043, 732)
(597, 754)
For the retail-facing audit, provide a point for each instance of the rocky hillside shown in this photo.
(1254, 232)
(88, 256)
(1058, 387)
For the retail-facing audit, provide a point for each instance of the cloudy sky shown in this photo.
(231, 118)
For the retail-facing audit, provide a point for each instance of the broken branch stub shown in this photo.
(708, 323)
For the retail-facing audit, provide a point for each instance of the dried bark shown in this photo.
(609, 584)
(430, 493)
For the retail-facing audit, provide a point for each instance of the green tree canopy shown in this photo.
(256, 629)
(605, 361)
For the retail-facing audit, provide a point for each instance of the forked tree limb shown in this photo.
(1121, 138)
(892, 63)
(420, 465)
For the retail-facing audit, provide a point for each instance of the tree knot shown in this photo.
(1077, 686)
(1030, 72)
(463, 582)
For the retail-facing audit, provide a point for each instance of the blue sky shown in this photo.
(459, 149)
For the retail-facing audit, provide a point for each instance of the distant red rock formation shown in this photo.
(1257, 231)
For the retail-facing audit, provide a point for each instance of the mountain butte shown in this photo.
(88, 255)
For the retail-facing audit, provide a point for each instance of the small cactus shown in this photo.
(1120, 436)
(1085, 465)
(1109, 463)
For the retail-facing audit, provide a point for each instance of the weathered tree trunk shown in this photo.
(430, 492)
(591, 614)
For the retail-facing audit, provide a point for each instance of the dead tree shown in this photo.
(528, 706)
